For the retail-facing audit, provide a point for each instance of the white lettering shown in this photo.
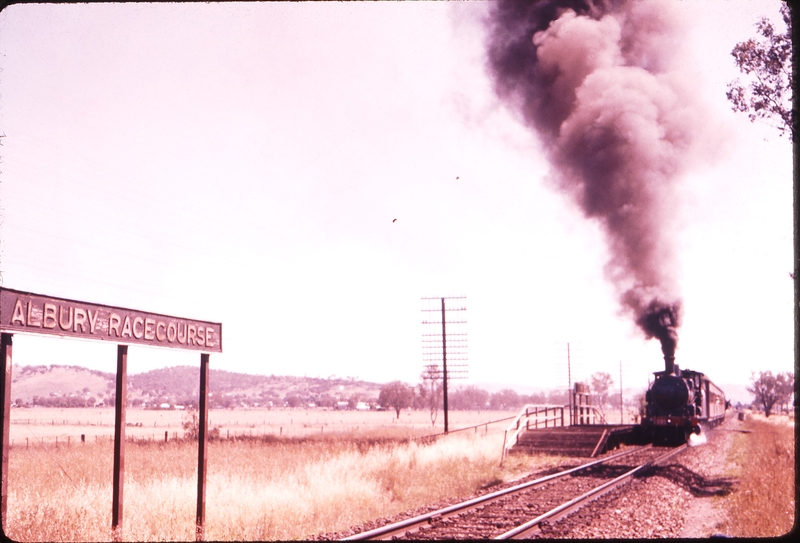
(80, 320)
(140, 322)
(126, 327)
(49, 316)
(30, 317)
(171, 332)
(68, 325)
(161, 331)
(19, 314)
(92, 320)
(114, 321)
(149, 329)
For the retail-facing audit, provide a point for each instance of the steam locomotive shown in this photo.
(678, 402)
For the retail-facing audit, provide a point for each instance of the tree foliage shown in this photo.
(396, 395)
(771, 390)
(768, 65)
(191, 425)
(430, 392)
(601, 384)
(469, 398)
(505, 399)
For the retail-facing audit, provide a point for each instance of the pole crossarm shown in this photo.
(447, 347)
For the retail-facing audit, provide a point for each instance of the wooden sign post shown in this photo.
(28, 313)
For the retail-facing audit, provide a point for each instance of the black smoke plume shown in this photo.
(602, 85)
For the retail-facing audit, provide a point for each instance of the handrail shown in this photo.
(587, 414)
(582, 415)
(535, 410)
(432, 437)
(479, 425)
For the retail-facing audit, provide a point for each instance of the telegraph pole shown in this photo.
(444, 367)
(433, 348)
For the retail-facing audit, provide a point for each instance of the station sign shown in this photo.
(25, 312)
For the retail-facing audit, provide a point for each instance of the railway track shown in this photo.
(518, 511)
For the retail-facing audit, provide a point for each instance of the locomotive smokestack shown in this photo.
(669, 364)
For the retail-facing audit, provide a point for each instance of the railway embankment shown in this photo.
(685, 498)
(699, 493)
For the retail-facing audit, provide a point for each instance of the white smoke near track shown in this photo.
(603, 84)
(695, 440)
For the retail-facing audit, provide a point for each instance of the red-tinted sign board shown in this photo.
(24, 312)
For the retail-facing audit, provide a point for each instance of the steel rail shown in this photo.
(532, 526)
(404, 526)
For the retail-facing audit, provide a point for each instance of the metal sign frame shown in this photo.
(29, 313)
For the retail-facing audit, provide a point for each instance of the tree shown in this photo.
(785, 388)
(395, 395)
(504, 400)
(292, 399)
(770, 390)
(558, 397)
(432, 391)
(537, 397)
(601, 384)
(469, 398)
(191, 425)
(768, 63)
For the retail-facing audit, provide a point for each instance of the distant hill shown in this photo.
(74, 386)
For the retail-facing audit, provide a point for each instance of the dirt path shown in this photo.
(704, 515)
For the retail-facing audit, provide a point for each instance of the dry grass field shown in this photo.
(325, 476)
(45, 424)
(307, 471)
(763, 461)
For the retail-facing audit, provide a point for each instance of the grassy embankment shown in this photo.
(763, 504)
(255, 490)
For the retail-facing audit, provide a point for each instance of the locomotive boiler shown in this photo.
(678, 402)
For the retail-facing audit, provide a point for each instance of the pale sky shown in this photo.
(244, 164)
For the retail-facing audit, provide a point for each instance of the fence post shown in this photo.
(505, 439)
